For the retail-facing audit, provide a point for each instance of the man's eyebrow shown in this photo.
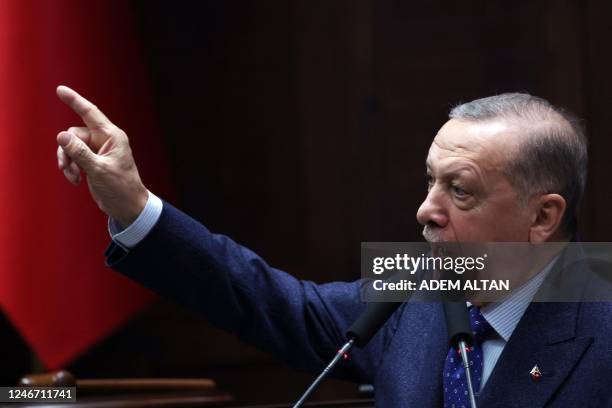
(454, 173)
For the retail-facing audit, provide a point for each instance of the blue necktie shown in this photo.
(455, 382)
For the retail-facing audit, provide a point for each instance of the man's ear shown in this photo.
(548, 210)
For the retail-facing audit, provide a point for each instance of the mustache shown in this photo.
(430, 235)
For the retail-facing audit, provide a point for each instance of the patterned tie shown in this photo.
(455, 382)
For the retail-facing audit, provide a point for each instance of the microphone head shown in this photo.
(457, 322)
(370, 321)
(376, 313)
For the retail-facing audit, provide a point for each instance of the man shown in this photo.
(505, 168)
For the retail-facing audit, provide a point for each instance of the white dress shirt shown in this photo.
(135, 232)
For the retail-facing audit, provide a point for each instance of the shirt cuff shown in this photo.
(138, 230)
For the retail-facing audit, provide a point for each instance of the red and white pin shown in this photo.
(535, 373)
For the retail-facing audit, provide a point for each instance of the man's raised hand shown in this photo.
(102, 151)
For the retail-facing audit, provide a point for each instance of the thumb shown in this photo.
(77, 150)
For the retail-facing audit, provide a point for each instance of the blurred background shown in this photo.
(298, 128)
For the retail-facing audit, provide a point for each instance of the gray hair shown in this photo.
(552, 159)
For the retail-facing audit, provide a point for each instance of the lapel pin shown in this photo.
(535, 373)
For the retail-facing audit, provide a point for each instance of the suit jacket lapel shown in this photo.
(546, 337)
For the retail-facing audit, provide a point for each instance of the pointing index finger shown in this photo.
(91, 115)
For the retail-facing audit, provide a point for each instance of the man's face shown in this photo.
(469, 198)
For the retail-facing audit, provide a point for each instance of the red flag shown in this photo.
(53, 283)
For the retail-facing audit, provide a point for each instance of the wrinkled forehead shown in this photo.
(486, 144)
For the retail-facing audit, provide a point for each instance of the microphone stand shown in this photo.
(359, 334)
(342, 353)
(460, 333)
(468, 374)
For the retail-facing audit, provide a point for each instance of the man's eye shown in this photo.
(430, 181)
(459, 192)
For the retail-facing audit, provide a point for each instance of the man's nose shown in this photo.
(433, 210)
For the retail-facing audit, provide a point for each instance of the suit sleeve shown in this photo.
(299, 321)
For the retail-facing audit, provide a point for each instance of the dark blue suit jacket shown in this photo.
(304, 323)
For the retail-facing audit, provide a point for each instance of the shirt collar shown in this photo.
(504, 316)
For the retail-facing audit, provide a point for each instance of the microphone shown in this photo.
(457, 322)
(359, 334)
(461, 337)
(370, 321)
(377, 313)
